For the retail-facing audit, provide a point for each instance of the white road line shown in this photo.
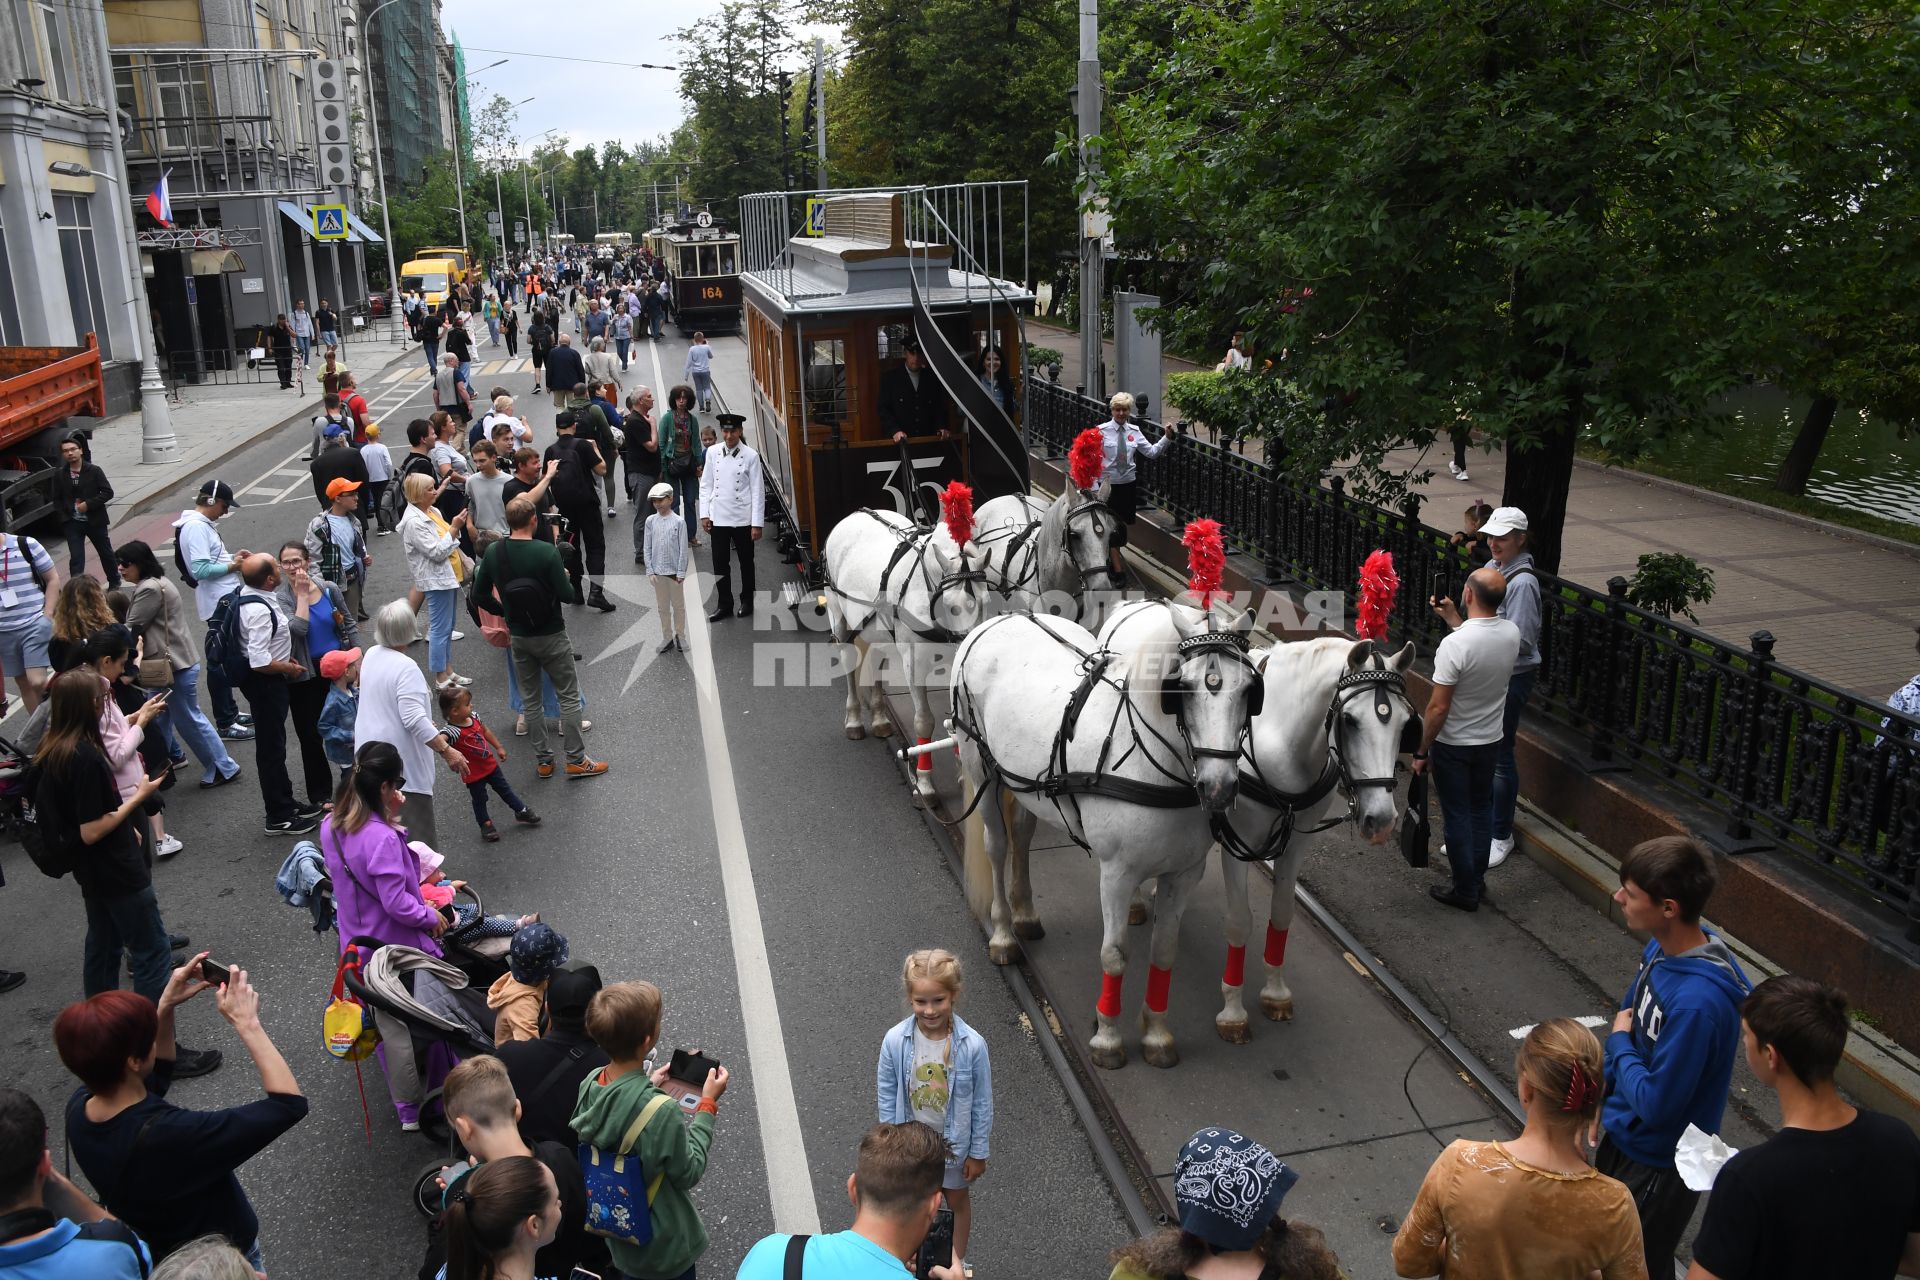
(1589, 1021)
(789, 1183)
(659, 381)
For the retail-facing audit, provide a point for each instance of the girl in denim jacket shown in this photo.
(934, 1068)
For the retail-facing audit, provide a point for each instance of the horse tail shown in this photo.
(976, 867)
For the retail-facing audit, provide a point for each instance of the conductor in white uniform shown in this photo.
(733, 502)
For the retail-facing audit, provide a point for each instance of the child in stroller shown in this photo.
(443, 894)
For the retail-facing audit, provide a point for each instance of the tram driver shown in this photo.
(912, 401)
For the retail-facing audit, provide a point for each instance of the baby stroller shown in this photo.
(16, 806)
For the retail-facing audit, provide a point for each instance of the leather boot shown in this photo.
(598, 599)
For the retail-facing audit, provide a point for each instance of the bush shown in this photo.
(1036, 358)
(1201, 397)
(1667, 583)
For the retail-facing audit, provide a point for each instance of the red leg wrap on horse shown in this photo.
(1109, 1005)
(1157, 981)
(1236, 967)
(1276, 946)
(925, 758)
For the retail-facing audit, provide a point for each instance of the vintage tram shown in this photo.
(703, 257)
(830, 313)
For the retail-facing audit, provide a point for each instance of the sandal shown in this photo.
(520, 726)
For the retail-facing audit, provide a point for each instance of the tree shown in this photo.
(730, 74)
(1543, 216)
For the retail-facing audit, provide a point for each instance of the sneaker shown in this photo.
(179, 759)
(188, 1063)
(179, 941)
(527, 816)
(454, 681)
(208, 784)
(544, 769)
(665, 645)
(245, 717)
(520, 726)
(311, 810)
(585, 769)
(236, 732)
(1498, 854)
(1453, 468)
(168, 846)
(10, 978)
(586, 726)
(1461, 475)
(381, 533)
(295, 826)
(489, 832)
(680, 643)
(409, 1126)
(613, 511)
(458, 635)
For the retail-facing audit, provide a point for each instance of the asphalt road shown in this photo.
(740, 853)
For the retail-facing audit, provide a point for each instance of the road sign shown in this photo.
(329, 221)
(519, 234)
(519, 227)
(816, 216)
(493, 221)
(193, 293)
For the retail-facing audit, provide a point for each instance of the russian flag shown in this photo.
(160, 202)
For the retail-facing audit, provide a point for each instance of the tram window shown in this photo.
(689, 262)
(727, 265)
(826, 379)
(893, 341)
(709, 261)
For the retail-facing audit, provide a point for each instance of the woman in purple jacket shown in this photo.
(376, 879)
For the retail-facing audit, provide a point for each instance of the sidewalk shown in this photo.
(212, 422)
(1840, 608)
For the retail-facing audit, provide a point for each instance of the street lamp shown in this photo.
(459, 180)
(499, 206)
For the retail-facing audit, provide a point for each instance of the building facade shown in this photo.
(65, 264)
(218, 96)
(403, 48)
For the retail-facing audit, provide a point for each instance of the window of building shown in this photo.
(184, 102)
(53, 27)
(10, 334)
(74, 218)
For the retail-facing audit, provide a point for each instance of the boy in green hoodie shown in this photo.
(624, 1020)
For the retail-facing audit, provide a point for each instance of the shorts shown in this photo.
(1124, 501)
(24, 648)
(539, 358)
(956, 1178)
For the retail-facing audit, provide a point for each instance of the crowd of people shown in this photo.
(585, 1138)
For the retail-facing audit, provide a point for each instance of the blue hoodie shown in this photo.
(1674, 1067)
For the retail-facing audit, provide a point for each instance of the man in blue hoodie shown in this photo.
(1670, 1056)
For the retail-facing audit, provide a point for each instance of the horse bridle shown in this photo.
(1087, 508)
(1233, 644)
(1387, 684)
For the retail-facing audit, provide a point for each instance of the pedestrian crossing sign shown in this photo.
(816, 216)
(329, 221)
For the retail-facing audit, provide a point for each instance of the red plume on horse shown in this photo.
(956, 508)
(1378, 586)
(1206, 560)
(1086, 460)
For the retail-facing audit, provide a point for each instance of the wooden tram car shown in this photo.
(703, 258)
(827, 316)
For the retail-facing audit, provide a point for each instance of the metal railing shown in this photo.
(1825, 777)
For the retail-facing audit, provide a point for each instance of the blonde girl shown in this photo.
(1530, 1208)
(934, 1068)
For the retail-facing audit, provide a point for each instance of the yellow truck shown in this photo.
(432, 277)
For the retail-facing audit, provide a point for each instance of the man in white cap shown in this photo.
(1506, 531)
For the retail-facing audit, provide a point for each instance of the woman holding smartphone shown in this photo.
(164, 627)
(108, 652)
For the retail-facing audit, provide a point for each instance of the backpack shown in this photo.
(20, 550)
(227, 641)
(54, 851)
(572, 482)
(619, 1193)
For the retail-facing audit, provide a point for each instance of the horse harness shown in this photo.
(918, 543)
(1386, 684)
(1027, 540)
(1063, 785)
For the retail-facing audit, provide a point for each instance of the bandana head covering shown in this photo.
(1227, 1188)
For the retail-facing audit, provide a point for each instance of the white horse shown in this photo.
(1041, 553)
(1335, 720)
(892, 589)
(1120, 747)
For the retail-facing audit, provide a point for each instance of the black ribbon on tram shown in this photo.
(999, 455)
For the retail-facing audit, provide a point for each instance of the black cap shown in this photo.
(735, 420)
(565, 420)
(569, 991)
(217, 491)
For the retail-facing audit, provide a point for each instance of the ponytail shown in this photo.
(357, 802)
(484, 1211)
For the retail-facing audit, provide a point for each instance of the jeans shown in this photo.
(622, 345)
(1464, 778)
(432, 352)
(493, 329)
(687, 488)
(81, 532)
(655, 321)
(131, 924)
(739, 539)
(226, 711)
(440, 608)
(267, 695)
(553, 656)
(305, 346)
(1506, 774)
(703, 388)
(477, 790)
(183, 713)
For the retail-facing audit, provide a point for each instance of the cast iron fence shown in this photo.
(1785, 759)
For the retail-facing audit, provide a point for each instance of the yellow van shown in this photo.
(430, 277)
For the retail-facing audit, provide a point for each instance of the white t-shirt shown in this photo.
(932, 1060)
(1477, 660)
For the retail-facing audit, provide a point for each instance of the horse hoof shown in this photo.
(884, 729)
(1108, 1057)
(1031, 930)
(1137, 913)
(922, 799)
(1160, 1055)
(1277, 1010)
(1234, 1032)
(1003, 952)
(855, 732)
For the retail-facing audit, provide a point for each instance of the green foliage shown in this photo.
(1667, 583)
(729, 74)
(1548, 217)
(1038, 357)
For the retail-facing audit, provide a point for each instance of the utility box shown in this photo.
(1136, 351)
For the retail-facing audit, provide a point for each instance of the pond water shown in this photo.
(1865, 465)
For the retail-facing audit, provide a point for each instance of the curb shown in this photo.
(1875, 1070)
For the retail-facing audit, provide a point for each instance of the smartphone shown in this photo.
(937, 1249)
(1439, 584)
(690, 1068)
(214, 973)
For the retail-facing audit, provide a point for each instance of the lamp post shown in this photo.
(499, 206)
(459, 181)
(1085, 97)
(380, 172)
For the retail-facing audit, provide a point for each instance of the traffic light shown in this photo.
(332, 125)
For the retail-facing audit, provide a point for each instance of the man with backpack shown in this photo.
(336, 543)
(522, 579)
(48, 1226)
(206, 566)
(576, 493)
(252, 642)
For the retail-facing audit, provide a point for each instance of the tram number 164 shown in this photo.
(710, 293)
(902, 497)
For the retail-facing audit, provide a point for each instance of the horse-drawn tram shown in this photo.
(874, 312)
